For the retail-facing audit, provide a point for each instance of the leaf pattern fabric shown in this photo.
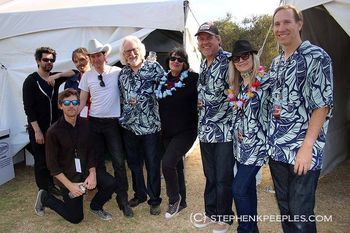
(215, 117)
(142, 118)
(305, 82)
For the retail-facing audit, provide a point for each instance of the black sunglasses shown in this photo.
(48, 60)
(179, 59)
(69, 102)
(102, 84)
(244, 57)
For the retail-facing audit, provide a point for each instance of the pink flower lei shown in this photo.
(238, 103)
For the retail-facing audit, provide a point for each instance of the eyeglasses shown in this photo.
(48, 60)
(128, 52)
(69, 102)
(179, 59)
(102, 84)
(244, 57)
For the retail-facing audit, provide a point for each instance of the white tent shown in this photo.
(327, 24)
(65, 25)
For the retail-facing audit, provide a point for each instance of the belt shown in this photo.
(103, 119)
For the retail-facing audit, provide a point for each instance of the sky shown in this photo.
(211, 10)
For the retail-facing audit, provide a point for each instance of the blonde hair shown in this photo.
(235, 76)
(140, 46)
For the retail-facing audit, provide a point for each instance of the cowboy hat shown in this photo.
(97, 47)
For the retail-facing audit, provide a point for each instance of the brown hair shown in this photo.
(298, 16)
(39, 52)
(66, 93)
(80, 50)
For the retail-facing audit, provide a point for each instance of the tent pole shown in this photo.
(184, 35)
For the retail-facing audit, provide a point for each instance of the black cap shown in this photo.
(208, 27)
(242, 46)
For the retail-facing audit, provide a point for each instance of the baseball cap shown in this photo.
(208, 27)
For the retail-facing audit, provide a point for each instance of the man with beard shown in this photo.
(80, 58)
(140, 118)
(40, 106)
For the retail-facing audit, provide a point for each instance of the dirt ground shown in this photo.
(18, 195)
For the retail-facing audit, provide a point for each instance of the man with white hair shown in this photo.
(101, 82)
(140, 118)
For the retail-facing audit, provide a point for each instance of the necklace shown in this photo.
(236, 102)
(166, 87)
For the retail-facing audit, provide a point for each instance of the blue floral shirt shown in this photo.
(250, 126)
(139, 105)
(302, 83)
(215, 116)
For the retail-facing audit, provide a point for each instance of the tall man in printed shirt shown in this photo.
(302, 97)
(214, 129)
(101, 82)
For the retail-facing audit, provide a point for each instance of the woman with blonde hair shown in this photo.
(248, 97)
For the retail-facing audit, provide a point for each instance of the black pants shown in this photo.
(172, 164)
(144, 149)
(69, 209)
(107, 138)
(218, 162)
(106, 185)
(295, 197)
(42, 175)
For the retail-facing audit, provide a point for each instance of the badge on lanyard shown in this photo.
(277, 108)
(77, 162)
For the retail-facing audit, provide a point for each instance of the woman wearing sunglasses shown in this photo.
(248, 98)
(177, 97)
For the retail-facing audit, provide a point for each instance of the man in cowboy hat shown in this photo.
(102, 84)
(214, 129)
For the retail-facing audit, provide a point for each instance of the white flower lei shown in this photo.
(163, 81)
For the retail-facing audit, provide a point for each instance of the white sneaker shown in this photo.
(38, 206)
(173, 209)
(206, 221)
(220, 227)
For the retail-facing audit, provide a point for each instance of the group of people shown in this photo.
(242, 116)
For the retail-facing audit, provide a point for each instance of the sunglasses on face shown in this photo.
(48, 60)
(244, 57)
(69, 102)
(102, 83)
(179, 59)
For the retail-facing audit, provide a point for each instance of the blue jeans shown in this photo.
(244, 195)
(295, 196)
(218, 162)
(142, 149)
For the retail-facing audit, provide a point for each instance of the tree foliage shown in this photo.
(254, 30)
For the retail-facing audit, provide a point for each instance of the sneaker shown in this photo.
(103, 215)
(154, 209)
(206, 221)
(38, 206)
(183, 205)
(220, 227)
(173, 209)
(136, 201)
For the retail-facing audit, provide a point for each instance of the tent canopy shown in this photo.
(65, 25)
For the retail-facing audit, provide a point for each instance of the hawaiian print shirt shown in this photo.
(139, 105)
(302, 83)
(215, 115)
(250, 126)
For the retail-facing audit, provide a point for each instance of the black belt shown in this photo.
(103, 119)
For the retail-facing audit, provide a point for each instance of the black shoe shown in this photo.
(135, 202)
(154, 209)
(54, 190)
(127, 211)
